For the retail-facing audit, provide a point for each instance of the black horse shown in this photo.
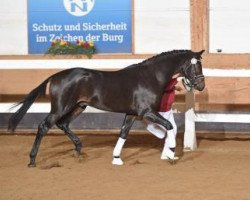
(135, 90)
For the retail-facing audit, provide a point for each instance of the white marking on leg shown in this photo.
(117, 152)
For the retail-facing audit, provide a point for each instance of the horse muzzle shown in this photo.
(199, 83)
(200, 86)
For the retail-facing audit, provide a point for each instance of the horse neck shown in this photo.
(167, 68)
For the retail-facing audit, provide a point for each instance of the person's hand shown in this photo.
(176, 76)
(178, 88)
(186, 83)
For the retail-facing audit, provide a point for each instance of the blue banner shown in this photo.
(105, 22)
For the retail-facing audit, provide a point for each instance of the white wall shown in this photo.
(160, 25)
(230, 26)
(13, 27)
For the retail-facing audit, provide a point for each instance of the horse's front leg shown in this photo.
(126, 126)
(159, 119)
(155, 117)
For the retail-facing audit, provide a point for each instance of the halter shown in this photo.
(190, 82)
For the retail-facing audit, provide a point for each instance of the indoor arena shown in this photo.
(125, 100)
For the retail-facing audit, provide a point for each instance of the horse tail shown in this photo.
(26, 103)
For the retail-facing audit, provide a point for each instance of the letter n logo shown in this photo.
(79, 7)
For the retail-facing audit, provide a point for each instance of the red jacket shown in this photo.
(168, 96)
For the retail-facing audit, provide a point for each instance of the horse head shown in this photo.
(192, 72)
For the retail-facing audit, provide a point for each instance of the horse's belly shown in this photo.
(113, 104)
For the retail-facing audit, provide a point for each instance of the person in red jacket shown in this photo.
(166, 111)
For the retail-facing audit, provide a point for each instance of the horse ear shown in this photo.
(201, 52)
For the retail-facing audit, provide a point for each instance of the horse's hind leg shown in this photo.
(159, 119)
(43, 128)
(72, 137)
(63, 124)
(126, 126)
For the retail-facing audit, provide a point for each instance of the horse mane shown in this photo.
(165, 54)
(153, 59)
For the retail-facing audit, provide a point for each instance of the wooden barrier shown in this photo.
(228, 91)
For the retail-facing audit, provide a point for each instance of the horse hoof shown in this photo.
(31, 165)
(79, 159)
(172, 161)
(77, 154)
(164, 157)
(169, 126)
(117, 161)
